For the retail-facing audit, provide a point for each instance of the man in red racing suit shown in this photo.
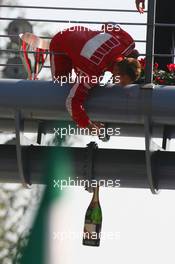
(90, 53)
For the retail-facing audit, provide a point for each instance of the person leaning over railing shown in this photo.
(91, 53)
(164, 36)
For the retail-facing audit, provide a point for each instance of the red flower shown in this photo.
(142, 63)
(171, 67)
(156, 66)
(159, 80)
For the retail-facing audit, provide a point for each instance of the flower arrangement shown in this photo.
(160, 77)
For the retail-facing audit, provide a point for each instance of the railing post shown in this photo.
(150, 41)
(147, 91)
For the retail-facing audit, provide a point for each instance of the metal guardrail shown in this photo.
(72, 21)
(70, 8)
(146, 100)
(45, 37)
(130, 170)
(150, 24)
(60, 21)
(139, 107)
(150, 28)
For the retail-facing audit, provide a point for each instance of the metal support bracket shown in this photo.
(166, 137)
(41, 130)
(150, 146)
(89, 164)
(19, 128)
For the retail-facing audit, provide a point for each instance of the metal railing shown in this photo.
(145, 98)
(149, 38)
(150, 41)
(17, 52)
(70, 8)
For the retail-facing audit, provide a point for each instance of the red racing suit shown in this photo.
(90, 53)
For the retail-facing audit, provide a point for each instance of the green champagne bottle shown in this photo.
(93, 221)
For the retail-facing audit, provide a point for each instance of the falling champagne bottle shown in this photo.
(93, 221)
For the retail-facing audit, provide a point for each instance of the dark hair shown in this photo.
(130, 67)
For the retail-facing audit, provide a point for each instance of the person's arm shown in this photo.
(75, 106)
(75, 102)
(140, 5)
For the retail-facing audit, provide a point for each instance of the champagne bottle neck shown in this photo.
(96, 194)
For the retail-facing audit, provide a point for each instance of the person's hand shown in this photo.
(140, 5)
(95, 127)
